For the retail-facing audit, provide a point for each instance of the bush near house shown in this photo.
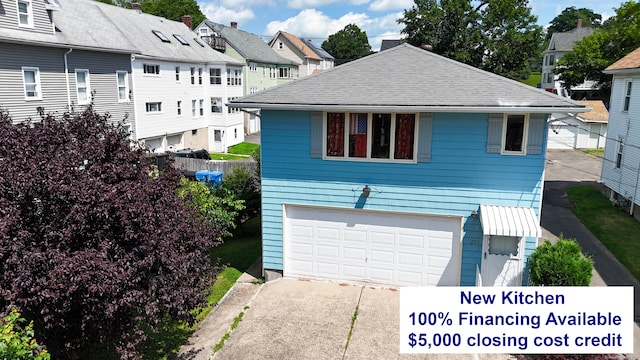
(18, 341)
(92, 247)
(560, 264)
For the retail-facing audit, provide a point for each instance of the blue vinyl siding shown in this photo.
(460, 176)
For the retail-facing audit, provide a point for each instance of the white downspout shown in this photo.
(66, 78)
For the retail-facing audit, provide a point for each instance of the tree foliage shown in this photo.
(91, 245)
(17, 342)
(568, 19)
(499, 36)
(169, 9)
(618, 36)
(348, 44)
(560, 264)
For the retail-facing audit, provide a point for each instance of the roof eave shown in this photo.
(621, 71)
(410, 108)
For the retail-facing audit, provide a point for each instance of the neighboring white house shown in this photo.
(560, 44)
(621, 165)
(579, 131)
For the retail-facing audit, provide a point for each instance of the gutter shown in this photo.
(66, 78)
(410, 108)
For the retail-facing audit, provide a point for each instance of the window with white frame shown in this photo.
(283, 72)
(25, 13)
(264, 71)
(280, 45)
(31, 80)
(273, 72)
(216, 105)
(201, 107)
(233, 110)
(154, 106)
(193, 76)
(253, 90)
(179, 107)
(514, 134)
(619, 154)
(235, 133)
(253, 66)
(204, 31)
(193, 107)
(552, 59)
(370, 136)
(151, 69)
(215, 76)
(234, 77)
(123, 85)
(177, 73)
(83, 89)
(200, 76)
(627, 96)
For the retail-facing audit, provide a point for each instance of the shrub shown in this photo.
(560, 264)
(91, 245)
(244, 185)
(18, 342)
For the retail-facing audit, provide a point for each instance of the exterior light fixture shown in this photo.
(474, 213)
(366, 191)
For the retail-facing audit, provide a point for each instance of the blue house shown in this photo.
(403, 168)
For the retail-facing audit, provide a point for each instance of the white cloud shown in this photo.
(306, 4)
(387, 5)
(314, 24)
(222, 15)
(245, 4)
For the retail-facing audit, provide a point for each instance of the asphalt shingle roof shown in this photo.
(631, 61)
(318, 50)
(250, 46)
(564, 41)
(407, 77)
(299, 44)
(598, 113)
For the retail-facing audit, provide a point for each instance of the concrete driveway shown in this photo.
(297, 319)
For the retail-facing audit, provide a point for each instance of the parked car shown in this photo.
(193, 154)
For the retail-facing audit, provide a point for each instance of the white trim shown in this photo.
(87, 86)
(525, 135)
(368, 157)
(38, 85)
(509, 221)
(126, 85)
(414, 108)
(29, 13)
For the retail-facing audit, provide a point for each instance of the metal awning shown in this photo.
(509, 221)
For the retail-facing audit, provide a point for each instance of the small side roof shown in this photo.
(249, 45)
(407, 78)
(388, 44)
(630, 62)
(598, 113)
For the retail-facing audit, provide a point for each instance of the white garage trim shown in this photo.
(394, 248)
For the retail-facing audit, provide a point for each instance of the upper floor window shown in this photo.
(123, 85)
(370, 136)
(234, 77)
(193, 108)
(25, 13)
(154, 106)
(201, 103)
(233, 110)
(82, 86)
(216, 105)
(193, 76)
(179, 107)
(280, 45)
(273, 71)
(199, 76)
(253, 66)
(627, 96)
(177, 73)
(551, 59)
(204, 31)
(31, 80)
(215, 76)
(151, 69)
(514, 133)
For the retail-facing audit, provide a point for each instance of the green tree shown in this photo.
(568, 19)
(17, 342)
(499, 36)
(174, 9)
(617, 37)
(348, 44)
(560, 264)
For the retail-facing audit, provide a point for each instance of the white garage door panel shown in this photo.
(565, 138)
(387, 248)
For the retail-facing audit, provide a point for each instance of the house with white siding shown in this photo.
(311, 58)
(621, 166)
(580, 131)
(155, 73)
(421, 184)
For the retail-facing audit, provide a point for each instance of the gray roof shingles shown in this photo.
(250, 46)
(564, 41)
(406, 77)
(317, 49)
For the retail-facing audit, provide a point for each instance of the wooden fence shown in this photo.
(225, 166)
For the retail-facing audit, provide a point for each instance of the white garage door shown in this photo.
(561, 137)
(380, 247)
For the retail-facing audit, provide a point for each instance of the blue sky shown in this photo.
(317, 19)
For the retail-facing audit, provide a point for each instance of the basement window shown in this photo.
(161, 36)
(181, 39)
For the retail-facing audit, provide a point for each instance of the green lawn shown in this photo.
(237, 253)
(618, 231)
(595, 152)
(221, 156)
(243, 148)
(533, 79)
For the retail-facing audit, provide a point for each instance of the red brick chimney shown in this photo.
(136, 6)
(186, 19)
(579, 23)
(234, 24)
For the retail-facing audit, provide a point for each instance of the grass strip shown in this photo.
(234, 325)
(615, 229)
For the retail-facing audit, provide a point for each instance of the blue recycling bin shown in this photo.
(208, 176)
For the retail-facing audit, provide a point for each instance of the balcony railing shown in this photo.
(216, 42)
